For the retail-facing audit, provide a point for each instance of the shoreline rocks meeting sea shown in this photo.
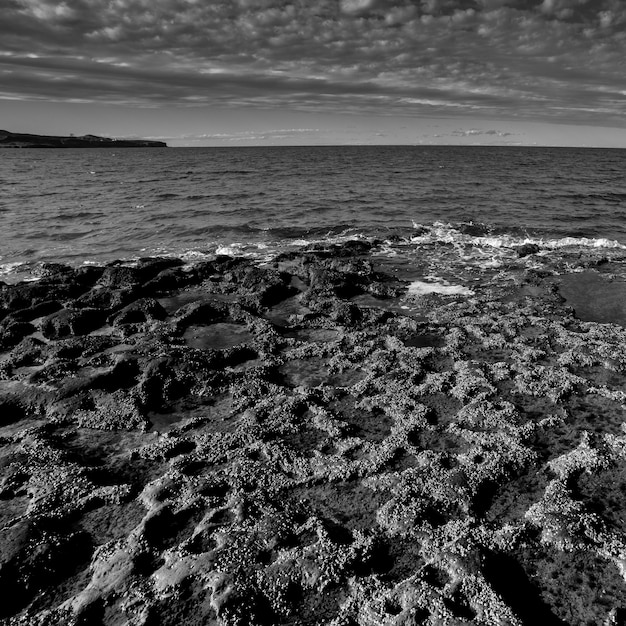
(9, 139)
(318, 438)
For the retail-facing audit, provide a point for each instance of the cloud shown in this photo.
(357, 6)
(477, 132)
(533, 59)
(254, 135)
(85, 79)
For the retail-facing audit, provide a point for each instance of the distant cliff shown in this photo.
(20, 140)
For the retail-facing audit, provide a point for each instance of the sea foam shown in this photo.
(421, 288)
(441, 232)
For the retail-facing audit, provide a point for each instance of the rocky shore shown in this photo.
(307, 442)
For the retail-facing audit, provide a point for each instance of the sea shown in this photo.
(447, 214)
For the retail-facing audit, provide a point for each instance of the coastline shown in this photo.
(312, 439)
(10, 140)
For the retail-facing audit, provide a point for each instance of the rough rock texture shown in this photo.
(234, 444)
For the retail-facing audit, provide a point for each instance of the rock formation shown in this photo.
(21, 140)
(231, 444)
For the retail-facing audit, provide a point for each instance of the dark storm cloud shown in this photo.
(513, 58)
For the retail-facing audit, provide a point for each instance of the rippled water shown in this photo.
(97, 205)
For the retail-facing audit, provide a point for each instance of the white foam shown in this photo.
(585, 242)
(258, 251)
(421, 288)
(192, 255)
(9, 268)
(441, 232)
(329, 239)
(18, 271)
(233, 249)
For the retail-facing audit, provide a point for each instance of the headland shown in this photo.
(22, 140)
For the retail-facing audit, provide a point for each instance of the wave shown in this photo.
(481, 235)
(235, 172)
(466, 244)
(79, 215)
(10, 268)
(613, 197)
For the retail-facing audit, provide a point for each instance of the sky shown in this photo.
(308, 72)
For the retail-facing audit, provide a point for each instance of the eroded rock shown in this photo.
(287, 444)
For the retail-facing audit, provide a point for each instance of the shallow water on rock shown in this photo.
(422, 340)
(12, 428)
(12, 508)
(111, 522)
(305, 440)
(218, 336)
(189, 296)
(567, 582)
(602, 376)
(371, 425)
(218, 414)
(163, 422)
(443, 408)
(103, 331)
(311, 335)
(314, 372)
(349, 504)
(26, 371)
(108, 455)
(605, 492)
(438, 440)
(280, 313)
(173, 303)
(589, 413)
(315, 335)
(594, 298)
(402, 306)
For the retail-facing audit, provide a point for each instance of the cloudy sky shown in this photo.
(263, 72)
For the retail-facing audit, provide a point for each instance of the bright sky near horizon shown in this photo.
(280, 72)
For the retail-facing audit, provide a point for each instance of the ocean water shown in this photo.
(474, 203)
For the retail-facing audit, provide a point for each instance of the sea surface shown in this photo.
(478, 203)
